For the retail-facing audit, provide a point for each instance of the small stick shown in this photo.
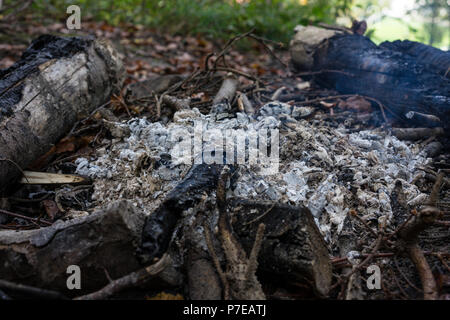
(268, 49)
(241, 73)
(175, 103)
(246, 104)
(261, 216)
(364, 223)
(227, 91)
(409, 237)
(129, 280)
(422, 118)
(253, 259)
(212, 252)
(277, 93)
(311, 73)
(24, 217)
(41, 293)
(434, 196)
(228, 45)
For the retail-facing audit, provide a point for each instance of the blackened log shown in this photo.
(293, 248)
(403, 75)
(56, 82)
(105, 240)
(159, 226)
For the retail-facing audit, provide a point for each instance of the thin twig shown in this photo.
(36, 292)
(16, 165)
(212, 252)
(241, 73)
(129, 280)
(16, 215)
(261, 216)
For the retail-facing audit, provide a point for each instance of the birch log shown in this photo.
(56, 82)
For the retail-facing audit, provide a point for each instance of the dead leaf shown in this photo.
(166, 296)
(356, 103)
(50, 208)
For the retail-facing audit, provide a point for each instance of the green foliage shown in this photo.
(436, 13)
(274, 19)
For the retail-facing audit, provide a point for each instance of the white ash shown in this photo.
(354, 257)
(313, 165)
(328, 170)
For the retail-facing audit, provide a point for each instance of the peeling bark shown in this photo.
(56, 82)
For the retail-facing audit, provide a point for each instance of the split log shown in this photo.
(403, 75)
(293, 248)
(56, 82)
(103, 241)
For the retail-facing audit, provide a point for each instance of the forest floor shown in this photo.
(264, 73)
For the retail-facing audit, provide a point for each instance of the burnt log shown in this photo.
(106, 240)
(159, 226)
(403, 75)
(56, 82)
(293, 248)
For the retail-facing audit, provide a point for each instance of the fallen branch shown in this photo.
(416, 133)
(130, 280)
(104, 239)
(241, 270)
(409, 238)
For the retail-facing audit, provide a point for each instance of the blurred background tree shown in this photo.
(434, 12)
(426, 21)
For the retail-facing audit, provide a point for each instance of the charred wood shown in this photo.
(403, 75)
(105, 240)
(56, 82)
